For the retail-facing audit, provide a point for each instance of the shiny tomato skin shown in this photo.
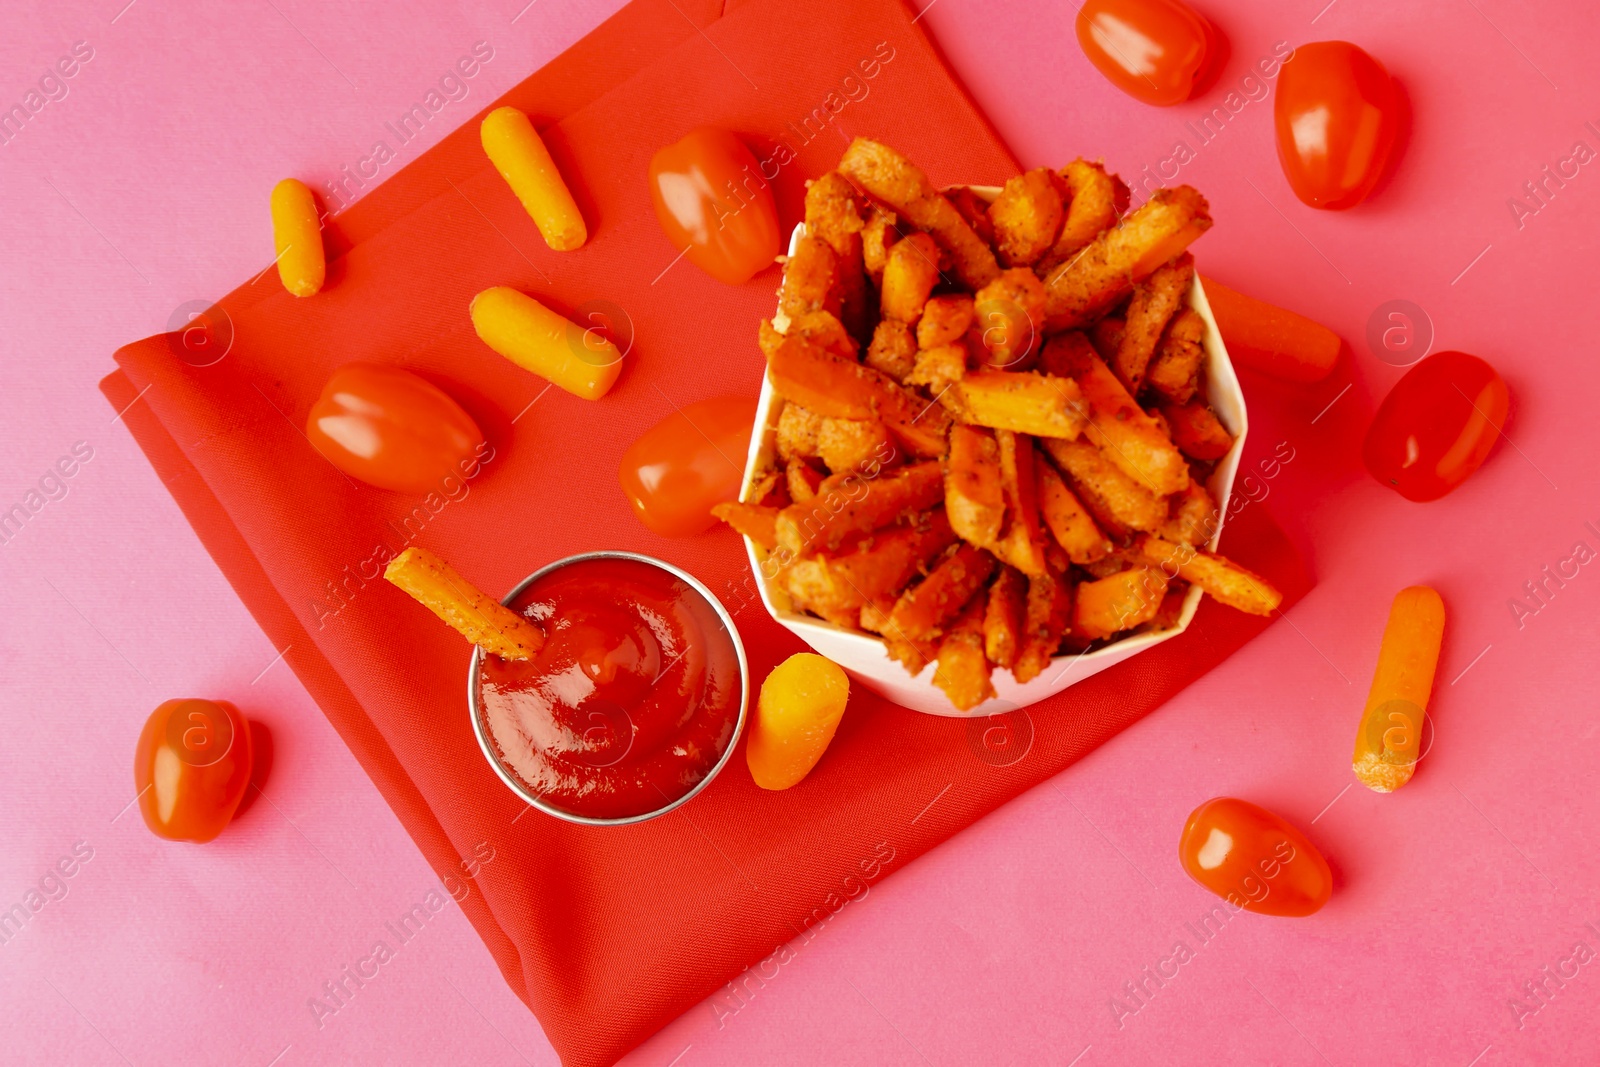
(686, 463)
(390, 428)
(191, 768)
(714, 204)
(1437, 425)
(1253, 859)
(1337, 112)
(1154, 50)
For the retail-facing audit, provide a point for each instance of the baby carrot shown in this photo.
(535, 338)
(1391, 725)
(801, 704)
(514, 147)
(297, 234)
(1269, 339)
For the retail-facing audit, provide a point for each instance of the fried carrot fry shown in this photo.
(1003, 617)
(1391, 724)
(1223, 579)
(1082, 288)
(476, 615)
(1105, 489)
(1068, 521)
(973, 497)
(944, 320)
(1091, 207)
(833, 214)
(877, 569)
(1027, 216)
(821, 328)
(893, 349)
(802, 479)
(1129, 437)
(854, 444)
(1010, 317)
(1124, 600)
(878, 235)
(855, 505)
(937, 369)
(1194, 517)
(1106, 336)
(909, 275)
(1270, 339)
(1049, 609)
(755, 521)
(924, 609)
(1195, 430)
(1020, 545)
(974, 209)
(1155, 301)
(893, 180)
(810, 280)
(797, 432)
(1175, 372)
(831, 385)
(963, 670)
(1022, 401)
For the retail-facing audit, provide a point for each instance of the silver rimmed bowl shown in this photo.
(514, 781)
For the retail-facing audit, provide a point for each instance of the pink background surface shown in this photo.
(144, 188)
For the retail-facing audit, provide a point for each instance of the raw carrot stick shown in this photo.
(1269, 339)
(1391, 725)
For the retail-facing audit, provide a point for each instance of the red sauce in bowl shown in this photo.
(633, 699)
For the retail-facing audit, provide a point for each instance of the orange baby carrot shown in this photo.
(1269, 339)
(1391, 725)
(801, 704)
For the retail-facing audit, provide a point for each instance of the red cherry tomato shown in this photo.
(191, 768)
(1154, 50)
(392, 429)
(1437, 425)
(1254, 860)
(688, 462)
(714, 204)
(1337, 112)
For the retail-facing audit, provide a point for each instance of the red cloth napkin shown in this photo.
(607, 933)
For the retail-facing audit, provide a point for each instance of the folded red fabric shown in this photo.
(607, 933)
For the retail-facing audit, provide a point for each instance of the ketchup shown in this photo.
(631, 702)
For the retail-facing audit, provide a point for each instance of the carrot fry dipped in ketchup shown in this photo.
(514, 147)
(1269, 339)
(476, 615)
(1391, 726)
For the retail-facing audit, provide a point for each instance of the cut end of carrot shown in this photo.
(1379, 776)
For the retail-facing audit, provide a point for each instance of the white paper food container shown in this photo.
(863, 655)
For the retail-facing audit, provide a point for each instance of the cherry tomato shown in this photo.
(1437, 425)
(1154, 50)
(1254, 860)
(714, 204)
(191, 768)
(392, 429)
(686, 463)
(1337, 112)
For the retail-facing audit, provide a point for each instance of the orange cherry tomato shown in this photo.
(1437, 425)
(1337, 112)
(688, 462)
(1253, 859)
(1156, 51)
(715, 205)
(390, 428)
(191, 768)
